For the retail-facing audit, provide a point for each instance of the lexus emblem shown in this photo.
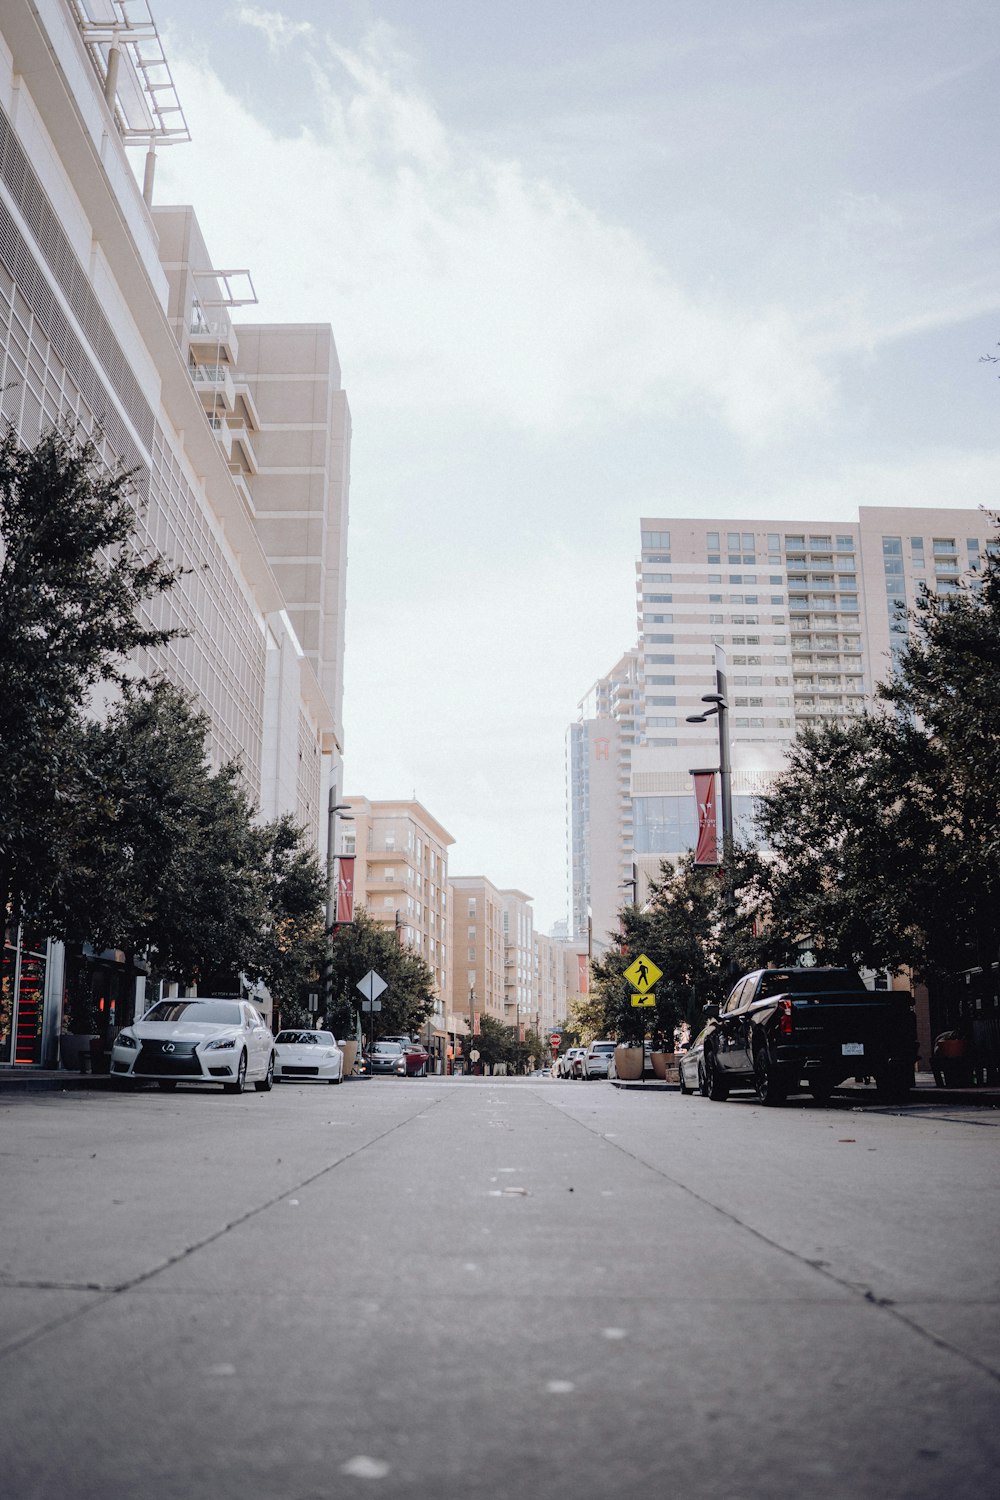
(169, 1047)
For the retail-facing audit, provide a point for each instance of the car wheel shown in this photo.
(339, 1078)
(894, 1084)
(716, 1087)
(772, 1088)
(166, 1083)
(682, 1082)
(821, 1089)
(263, 1085)
(239, 1082)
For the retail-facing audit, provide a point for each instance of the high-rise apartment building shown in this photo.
(401, 877)
(809, 616)
(112, 314)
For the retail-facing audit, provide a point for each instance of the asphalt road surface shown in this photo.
(439, 1288)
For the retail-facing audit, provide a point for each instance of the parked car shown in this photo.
(566, 1065)
(308, 1054)
(540, 1073)
(201, 1040)
(596, 1060)
(384, 1057)
(691, 1065)
(779, 1028)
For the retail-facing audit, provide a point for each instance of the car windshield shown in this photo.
(204, 1012)
(603, 1047)
(388, 1047)
(305, 1039)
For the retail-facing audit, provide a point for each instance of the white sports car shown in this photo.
(197, 1041)
(308, 1054)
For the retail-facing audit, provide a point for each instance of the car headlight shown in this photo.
(220, 1043)
(124, 1040)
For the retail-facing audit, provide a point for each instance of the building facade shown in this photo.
(809, 617)
(401, 878)
(112, 315)
(478, 951)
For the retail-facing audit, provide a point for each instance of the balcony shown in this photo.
(212, 344)
(242, 445)
(214, 384)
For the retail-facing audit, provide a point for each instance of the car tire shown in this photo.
(716, 1087)
(166, 1083)
(263, 1085)
(339, 1078)
(894, 1084)
(239, 1082)
(682, 1082)
(771, 1085)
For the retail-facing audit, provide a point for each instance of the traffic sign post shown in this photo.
(371, 986)
(555, 1039)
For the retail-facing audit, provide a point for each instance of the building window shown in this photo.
(651, 539)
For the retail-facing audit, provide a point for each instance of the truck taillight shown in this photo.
(785, 1024)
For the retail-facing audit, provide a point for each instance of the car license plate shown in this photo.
(853, 1049)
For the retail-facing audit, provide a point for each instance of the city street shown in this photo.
(494, 1287)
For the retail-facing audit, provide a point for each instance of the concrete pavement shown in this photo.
(492, 1287)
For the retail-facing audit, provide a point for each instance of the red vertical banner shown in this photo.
(520, 1031)
(707, 852)
(475, 1023)
(583, 974)
(345, 888)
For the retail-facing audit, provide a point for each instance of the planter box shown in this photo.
(350, 1051)
(628, 1063)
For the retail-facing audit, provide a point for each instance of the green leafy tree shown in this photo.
(72, 583)
(407, 1002)
(885, 829)
(160, 855)
(688, 932)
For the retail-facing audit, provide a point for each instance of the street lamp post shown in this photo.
(337, 812)
(720, 707)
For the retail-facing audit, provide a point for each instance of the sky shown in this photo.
(585, 263)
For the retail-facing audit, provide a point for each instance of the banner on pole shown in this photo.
(707, 852)
(582, 974)
(345, 888)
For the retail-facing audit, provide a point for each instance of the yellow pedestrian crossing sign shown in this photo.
(642, 974)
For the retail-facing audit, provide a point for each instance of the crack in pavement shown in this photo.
(862, 1293)
(109, 1293)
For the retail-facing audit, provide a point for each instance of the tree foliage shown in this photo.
(408, 1000)
(687, 930)
(71, 585)
(885, 829)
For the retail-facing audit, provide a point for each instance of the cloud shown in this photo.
(458, 280)
(278, 29)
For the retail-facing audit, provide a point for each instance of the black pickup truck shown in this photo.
(780, 1030)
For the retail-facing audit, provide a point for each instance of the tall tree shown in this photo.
(71, 585)
(886, 828)
(407, 1002)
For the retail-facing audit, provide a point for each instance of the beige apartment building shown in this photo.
(113, 314)
(809, 617)
(401, 878)
(478, 950)
(561, 977)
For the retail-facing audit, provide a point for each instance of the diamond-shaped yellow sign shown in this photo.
(642, 973)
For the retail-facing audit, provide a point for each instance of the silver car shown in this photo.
(691, 1066)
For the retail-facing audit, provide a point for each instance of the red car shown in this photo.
(415, 1058)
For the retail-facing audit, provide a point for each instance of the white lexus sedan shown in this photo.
(197, 1041)
(308, 1054)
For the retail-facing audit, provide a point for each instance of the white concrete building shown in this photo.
(112, 313)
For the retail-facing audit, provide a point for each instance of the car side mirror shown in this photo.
(712, 1012)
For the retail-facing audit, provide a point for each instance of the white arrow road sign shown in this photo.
(372, 985)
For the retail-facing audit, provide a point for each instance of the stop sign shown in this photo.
(556, 1038)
